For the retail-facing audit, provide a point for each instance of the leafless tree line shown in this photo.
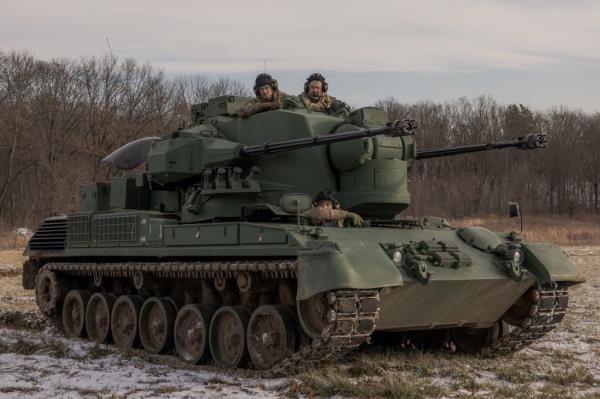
(59, 118)
(562, 178)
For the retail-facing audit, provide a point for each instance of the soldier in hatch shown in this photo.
(326, 212)
(315, 97)
(268, 96)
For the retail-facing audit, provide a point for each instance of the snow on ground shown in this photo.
(42, 365)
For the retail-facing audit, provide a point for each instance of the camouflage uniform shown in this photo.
(325, 103)
(319, 216)
(260, 104)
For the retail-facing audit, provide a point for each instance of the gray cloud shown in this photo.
(445, 38)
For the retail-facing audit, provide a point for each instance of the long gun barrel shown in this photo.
(527, 142)
(394, 128)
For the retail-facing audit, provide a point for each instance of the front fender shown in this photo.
(330, 266)
(548, 263)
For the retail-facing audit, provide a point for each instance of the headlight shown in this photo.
(518, 257)
(398, 257)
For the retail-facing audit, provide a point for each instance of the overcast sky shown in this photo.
(539, 53)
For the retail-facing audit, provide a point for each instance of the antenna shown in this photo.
(265, 62)
(110, 49)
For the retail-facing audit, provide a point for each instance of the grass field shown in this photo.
(35, 362)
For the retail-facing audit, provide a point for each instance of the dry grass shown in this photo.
(13, 295)
(11, 259)
(12, 241)
(561, 230)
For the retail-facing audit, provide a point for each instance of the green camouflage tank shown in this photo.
(201, 248)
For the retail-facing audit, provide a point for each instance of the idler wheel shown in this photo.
(271, 335)
(191, 332)
(227, 336)
(156, 325)
(524, 309)
(97, 317)
(48, 291)
(313, 314)
(124, 321)
(73, 314)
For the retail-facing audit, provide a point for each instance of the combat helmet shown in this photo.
(316, 76)
(326, 195)
(263, 79)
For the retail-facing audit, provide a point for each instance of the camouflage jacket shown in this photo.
(326, 103)
(318, 216)
(260, 104)
(323, 104)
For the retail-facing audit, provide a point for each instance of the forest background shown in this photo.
(59, 118)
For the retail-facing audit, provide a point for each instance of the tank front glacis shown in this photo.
(194, 256)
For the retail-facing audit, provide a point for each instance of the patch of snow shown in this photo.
(24, 231)
(77, 375)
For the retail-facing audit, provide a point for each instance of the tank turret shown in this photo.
(212, 169)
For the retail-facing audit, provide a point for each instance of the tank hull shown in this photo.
(337, 285)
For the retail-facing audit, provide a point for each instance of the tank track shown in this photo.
(267, 268)
(350, 318)
(545, 314)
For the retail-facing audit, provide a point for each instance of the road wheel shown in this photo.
(191, 332)
(157, 319)
(97, 317)
(227, 336)
(73, 313)
(48, 292)
(124, 321)
(313, 314)
(271, 335)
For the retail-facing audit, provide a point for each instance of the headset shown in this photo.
(316, 76)
(264, 79)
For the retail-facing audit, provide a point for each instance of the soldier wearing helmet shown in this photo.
(268, 96)
(315, 97)
(326, 212)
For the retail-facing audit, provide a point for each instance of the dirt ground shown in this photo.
(37, 362)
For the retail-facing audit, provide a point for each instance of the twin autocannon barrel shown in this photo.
(394, 128)
(527, 142)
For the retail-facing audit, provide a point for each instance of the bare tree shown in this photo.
(17, 76)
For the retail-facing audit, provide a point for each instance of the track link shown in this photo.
(546, 313)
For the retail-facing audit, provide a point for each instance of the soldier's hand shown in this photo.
(337, 105)
(356, 219)
(274, 105)
(292, 102)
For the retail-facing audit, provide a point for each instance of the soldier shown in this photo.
(268, 96)
(315, 97)
(326, 212)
